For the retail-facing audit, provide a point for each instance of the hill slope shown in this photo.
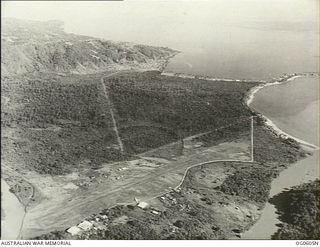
(32, 46)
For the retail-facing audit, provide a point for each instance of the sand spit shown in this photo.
(207, 78)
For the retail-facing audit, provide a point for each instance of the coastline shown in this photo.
(268, 122)
(207, 78)
(251, 94)
(14, 212)
(303, 171)
(302, 167)
(162, 64)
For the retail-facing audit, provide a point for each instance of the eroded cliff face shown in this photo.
(32, 46)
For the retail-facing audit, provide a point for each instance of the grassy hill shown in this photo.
(33, 46)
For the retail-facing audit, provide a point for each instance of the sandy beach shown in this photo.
(13, 213)
(303, 171)
(269, 122)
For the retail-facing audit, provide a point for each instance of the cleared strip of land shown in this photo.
(111, 109)
(47, 216)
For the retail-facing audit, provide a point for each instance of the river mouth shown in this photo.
(294, 108)
(305, 170)
(13, 213)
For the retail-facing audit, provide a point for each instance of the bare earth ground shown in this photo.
(64, 203)
(56, 202)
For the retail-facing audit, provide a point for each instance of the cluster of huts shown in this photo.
(100, 222)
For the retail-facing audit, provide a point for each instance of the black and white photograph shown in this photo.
(160, 120)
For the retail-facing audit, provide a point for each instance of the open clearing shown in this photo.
(142, 179)
(83, 167)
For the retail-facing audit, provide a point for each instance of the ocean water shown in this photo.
(247, 39)
(250, 53)
(303, 171)
(251, 39)
(13, 213)
(293, 106)
(251, 47)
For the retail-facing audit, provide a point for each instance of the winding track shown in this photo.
(69, 212)
(83, 202)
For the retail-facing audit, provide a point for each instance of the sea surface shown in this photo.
(293, 107)
(225, 39)
(262, 52)
(253, 52)
(305, 170)
(12, 213)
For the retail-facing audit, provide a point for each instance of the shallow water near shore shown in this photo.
(304, 171)
(240, 57)
(294, 108)
(13, 213)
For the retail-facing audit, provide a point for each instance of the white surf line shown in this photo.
(22, 223)
(255, 89)
(25, 206)
(248, 101)
(25, 212)
(273, 126)
(278, 131)
(207, 78)
(268, 121)
(115, 128)
(252, 156)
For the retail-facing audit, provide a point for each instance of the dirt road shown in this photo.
(48, 216)
(111, 109)
(60, 213)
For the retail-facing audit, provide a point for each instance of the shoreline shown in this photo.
(270, 208)
(248, 99)
(9, 213)
(268, 122)
(207, 78)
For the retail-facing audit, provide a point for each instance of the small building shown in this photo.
(85, 225)
(100, 226)
(143, 205)
(74, 230)
(155, 212)
(105, 217)
(198, 144)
